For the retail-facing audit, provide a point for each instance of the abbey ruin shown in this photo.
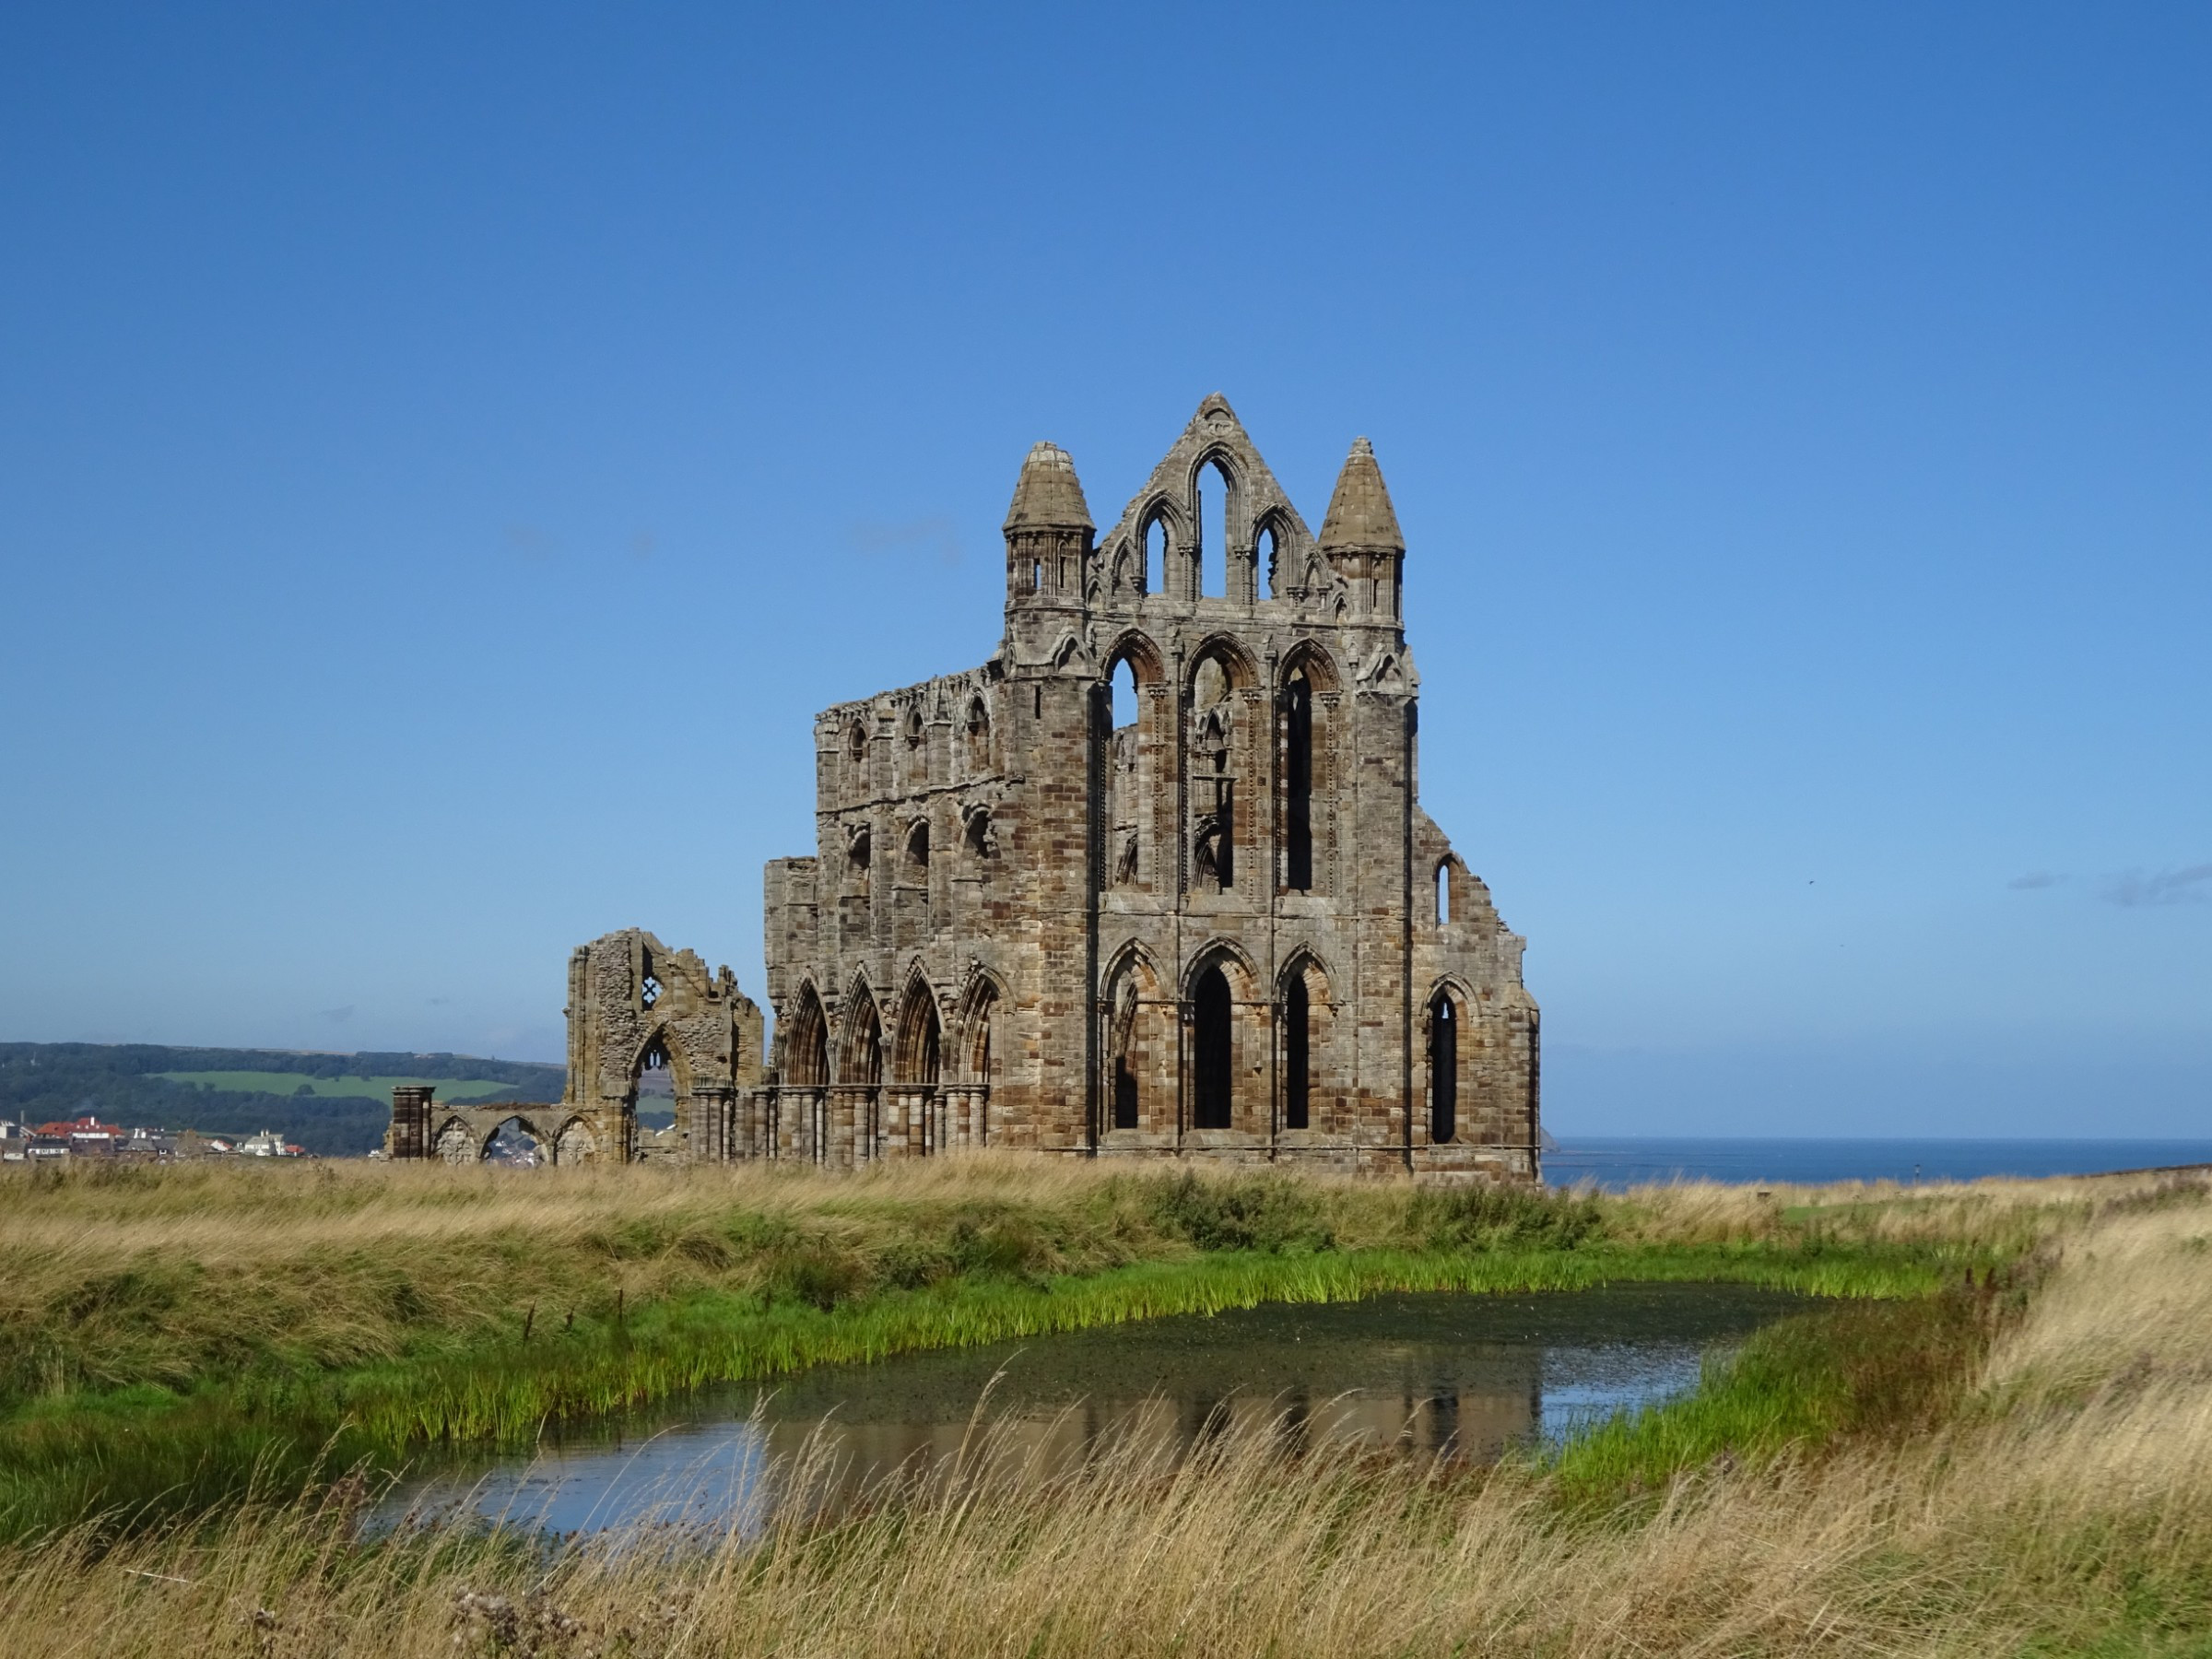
(1152, 882)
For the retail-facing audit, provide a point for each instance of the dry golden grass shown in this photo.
(2074, 1512)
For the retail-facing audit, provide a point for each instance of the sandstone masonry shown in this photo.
(1217, 924)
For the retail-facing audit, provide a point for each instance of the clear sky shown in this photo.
(448, 453)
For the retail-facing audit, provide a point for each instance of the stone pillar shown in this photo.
(409, 1136)
(853, 1116)
(707, 1129)
(898, 1117)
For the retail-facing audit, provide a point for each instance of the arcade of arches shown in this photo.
(1154, 881)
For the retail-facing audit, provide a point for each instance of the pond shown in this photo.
(1434, 1374)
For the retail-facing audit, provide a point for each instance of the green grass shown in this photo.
(1803, 1385)
(151, 1451)
(293, 1083)
(203, 1326)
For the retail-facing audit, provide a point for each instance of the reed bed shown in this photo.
(2060, 1501)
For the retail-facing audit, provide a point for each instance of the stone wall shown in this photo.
(1221, 927)
(1027, 925)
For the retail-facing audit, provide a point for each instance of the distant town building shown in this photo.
(87, 1138)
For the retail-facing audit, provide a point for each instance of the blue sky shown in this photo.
(447, 453)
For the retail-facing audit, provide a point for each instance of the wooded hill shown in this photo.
(339, 1109)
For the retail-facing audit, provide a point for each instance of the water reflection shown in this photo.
(1424, 1376)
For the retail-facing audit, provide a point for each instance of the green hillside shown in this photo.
(334, 1105)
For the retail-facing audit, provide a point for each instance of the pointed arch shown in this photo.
(1228, 1038)
(973, 1026)
(1162, 509)
(1231, 654)
(1071, 652)
(539, 1150)
(1135, 647)
(1305, 962)
(1138, 1053)
(1215, 570)
(1449, 1044)
(658, 1049)
(1232, 958)
(1306, 1004)
(917, 1048)
(860, 1048)
(1271, 533)
(574, 1143)
(805, 1045)
(1130, 767)
(455, 1142)
(1315, 661)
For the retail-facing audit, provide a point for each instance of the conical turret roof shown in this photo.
(1362, 519)
(1047, 494)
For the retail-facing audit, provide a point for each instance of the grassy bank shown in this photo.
(1972, 1472)
(167, 1334)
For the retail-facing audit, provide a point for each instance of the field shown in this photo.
(292, 1083)
(238, 1091)
(1998, 1442)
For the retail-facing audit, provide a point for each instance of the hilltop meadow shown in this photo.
(1994, 1437)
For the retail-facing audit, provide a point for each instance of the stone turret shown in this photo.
(1048, 528)
(1360, 536)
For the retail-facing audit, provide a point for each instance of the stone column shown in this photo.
(707, 1126)
(409, 1136)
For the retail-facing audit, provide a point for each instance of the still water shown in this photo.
(1428, 1374)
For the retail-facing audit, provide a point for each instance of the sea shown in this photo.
(1613, 1164)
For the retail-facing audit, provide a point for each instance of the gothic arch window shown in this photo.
(972, 1050)
(653, 1085)
(1155, 556)
(979, 736)
(1306, 1010)
(1444, 1069)
(857, 746)
(1123, 683)
(915, 872)
(1131, 995)
(807, 1056)
(921, 1037)
(1129, 771)
(1213, 785)
(1212, 1066)
(1298, 781)
(1214, 495)
(1267, 552)
(858, 856)
(861, 1063)
(1443, 894)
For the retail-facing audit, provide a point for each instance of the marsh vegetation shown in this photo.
(1998, 1442)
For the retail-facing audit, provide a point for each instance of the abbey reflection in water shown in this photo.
(1420, 1375)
